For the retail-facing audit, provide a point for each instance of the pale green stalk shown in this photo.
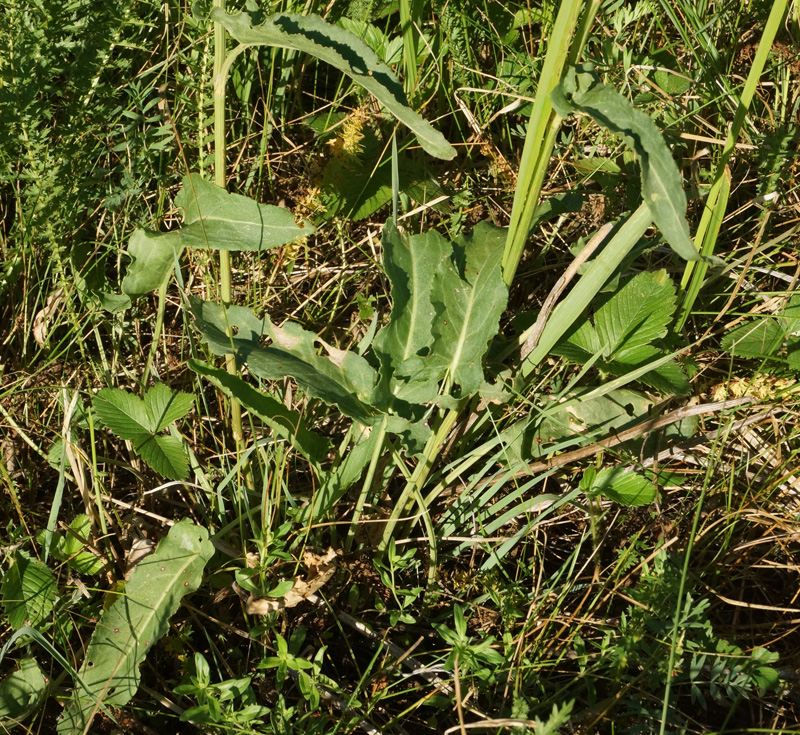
(408, 10)
(220, 179)
(563, 48)
(366, 488)
(717, 200)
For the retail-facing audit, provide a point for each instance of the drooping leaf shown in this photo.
(164, 454)
(340, 378)
(761, 338)
(21, 692)
(213, 219)
(310, 34)
(582, 91)
(124, 413)
(134, 622)
(623, 486)
(283, 421)
(29, 591)
(468, 296)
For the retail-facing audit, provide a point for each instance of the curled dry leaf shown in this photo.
(41, 322)
(320, 570)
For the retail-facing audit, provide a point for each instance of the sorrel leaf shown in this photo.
(468, 295)
(213, 219)
(134, 622)
(581, 90)
(411, 264)
(342, 49)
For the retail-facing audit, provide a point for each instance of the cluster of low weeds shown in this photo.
(427, 499)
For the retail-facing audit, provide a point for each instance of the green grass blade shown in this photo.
(717, 200)
(602, 267)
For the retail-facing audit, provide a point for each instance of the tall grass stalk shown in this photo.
(563, 48)
(717, 200)
(220, 179)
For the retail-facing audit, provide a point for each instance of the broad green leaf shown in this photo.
(312, 35)
(213, 219)
(623, 486)
(580, 90)
(124, 413)
(153, 257)
(468, 296)
(216, 219)
(668, 378)
(635, 315)
(411, 264)
(761, 338)
(164, 406)
(340, 378)
(21, 692)
(134, 622)
(29, 591)
(165, 454)
(283, 421)
(71, 549)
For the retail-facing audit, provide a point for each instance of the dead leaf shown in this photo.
(320, 570)
(41, 322)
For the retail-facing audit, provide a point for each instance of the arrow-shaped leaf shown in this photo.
(213, 219)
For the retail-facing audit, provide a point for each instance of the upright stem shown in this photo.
(220, 179)
(564, 48)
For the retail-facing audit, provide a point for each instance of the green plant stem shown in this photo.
(563, 48)
(717, 199)
(408, 10)
(420, 475)
(220, 179)
(162, 307)
(368, 481)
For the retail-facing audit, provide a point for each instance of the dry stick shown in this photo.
(561, 284)
(623, 436)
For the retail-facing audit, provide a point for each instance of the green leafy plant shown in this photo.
(71, 547)
(29, 591)
(141, 421)
(228, 704)
(627, 321)
(134, 622)
(21, 692)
